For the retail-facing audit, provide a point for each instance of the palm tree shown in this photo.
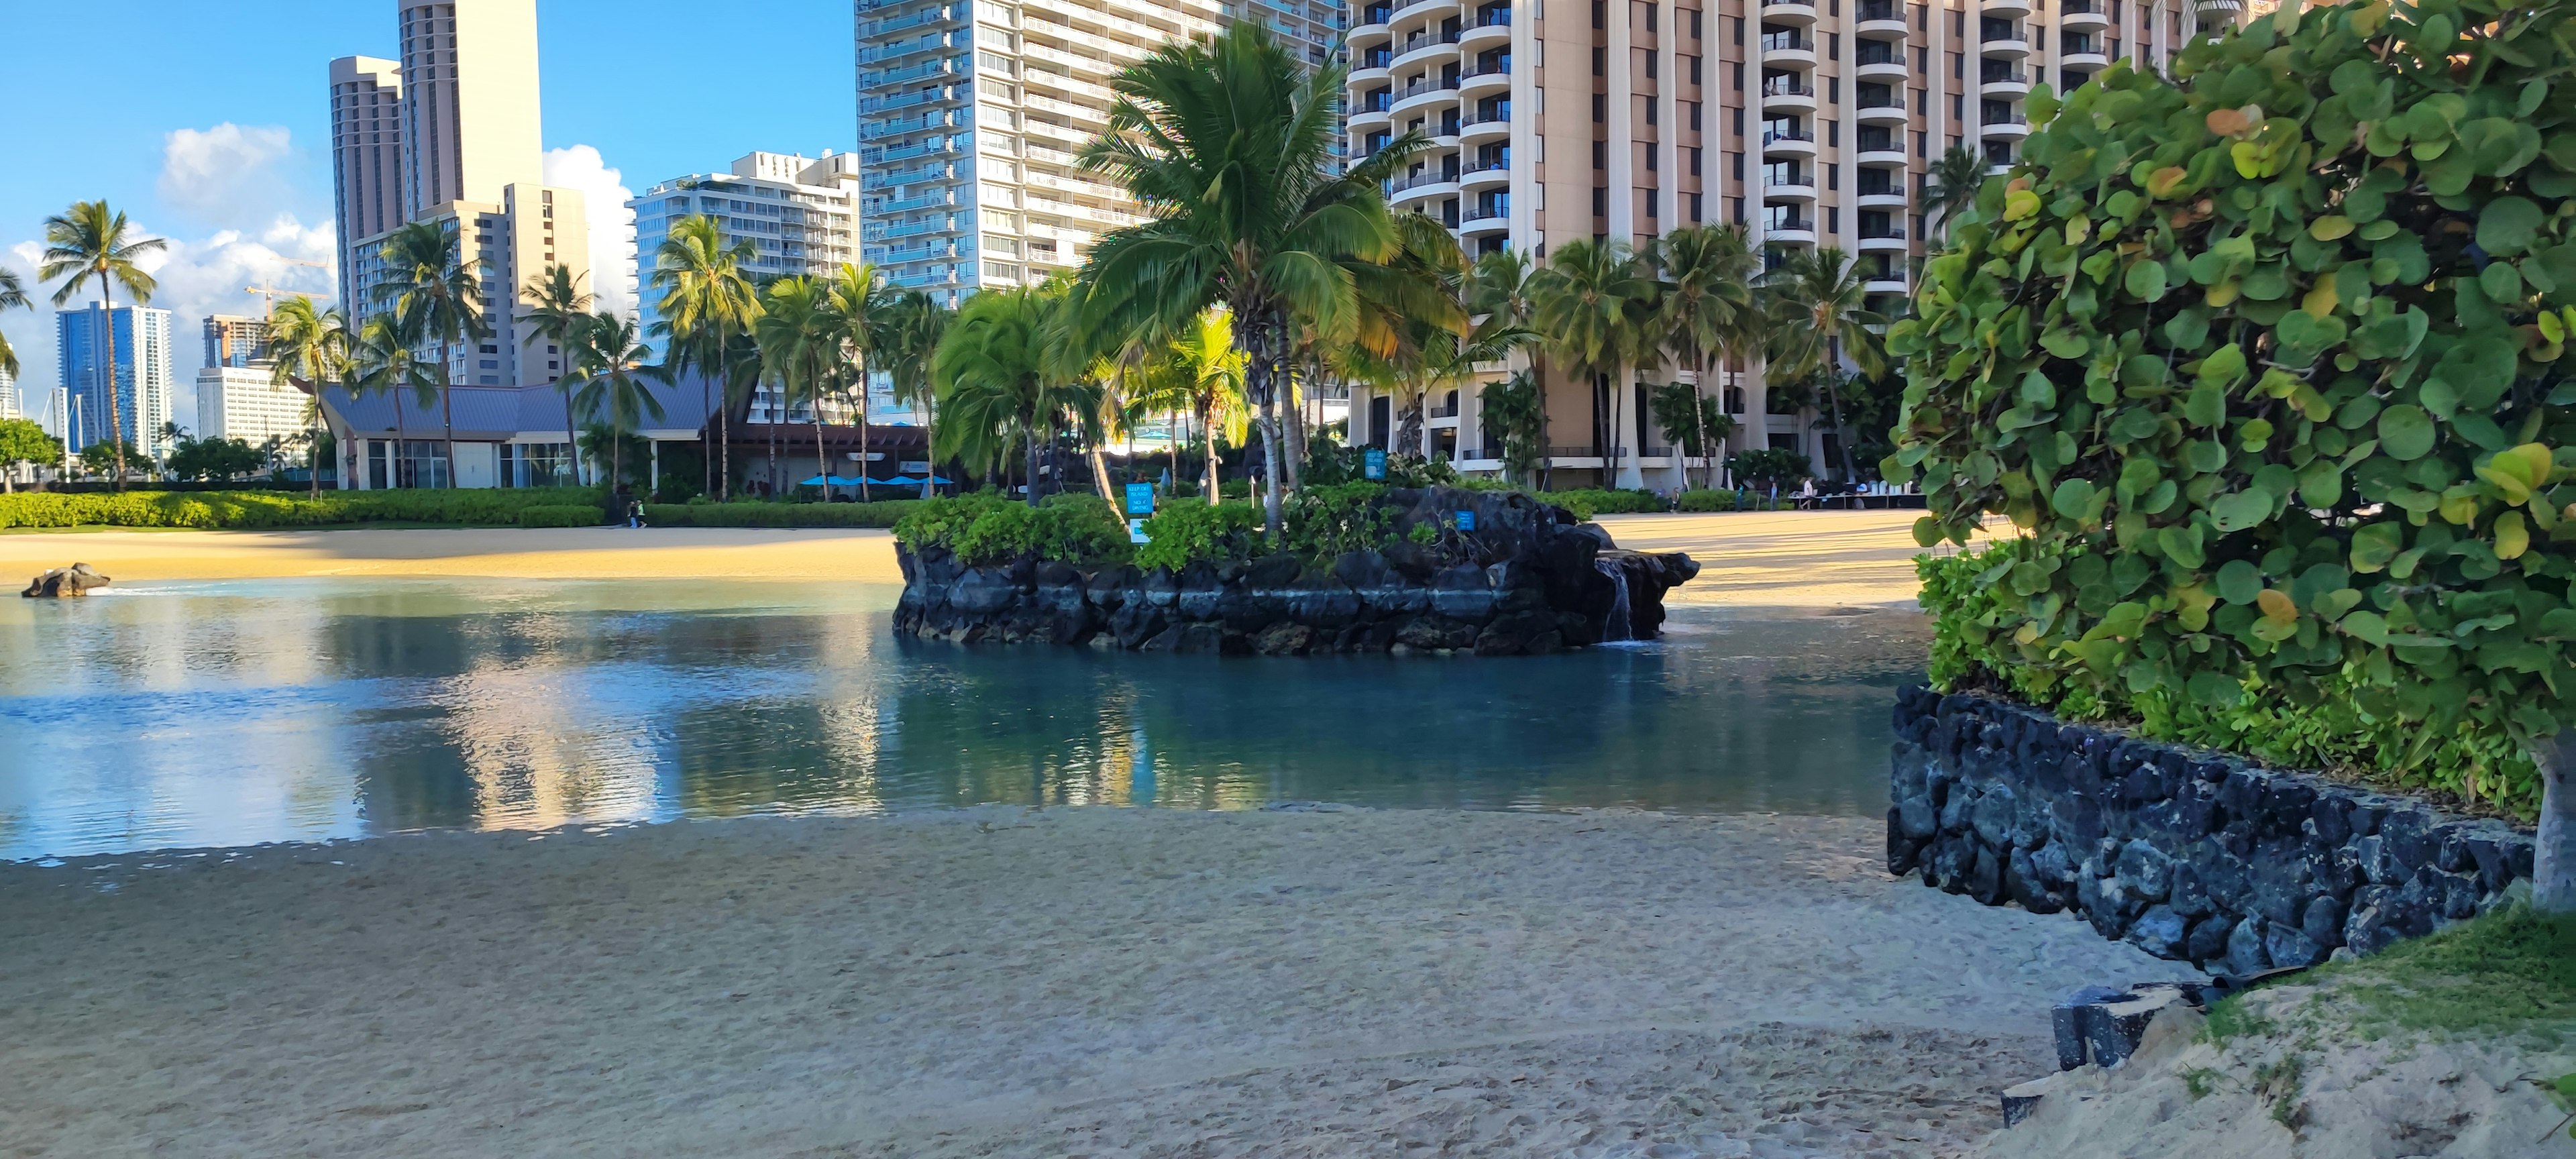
(90, 242)
(312, 345)
(385, 362)
(1199, 373)
(1951, 186)
(560, 308)
(438, 298)
(1228, 143)
(707, 304)
(1000, 374)
(1708, 308)
(800, 343)
(13, 296)
(1818, 307)
(914, 322)
(1498, 294)
(608, 363)
(1594, 305)
(860, 307)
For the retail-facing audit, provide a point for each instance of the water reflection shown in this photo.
(232, 713)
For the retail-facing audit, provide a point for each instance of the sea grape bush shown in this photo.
(2267, 368)
(988, 527)
(273, 509)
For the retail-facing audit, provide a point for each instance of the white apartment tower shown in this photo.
(970, 115)
(468, 154)
(800, 215)
(367, 157)
(1812, 123)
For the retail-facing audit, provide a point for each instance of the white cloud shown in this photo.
(612, 224)
(226, 175)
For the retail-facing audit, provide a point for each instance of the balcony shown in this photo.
(2083, 15)
(908, 74)
(1415, 186)
(944, 14)
(1790, 94)
(1883, 67)
(932, 172)
(1885, 147)
(1882, 195)
(1798, 12)
(1788, 50)
(1369, 67)
(1371, 28)
(2010, 46)
(1885, 239)
(1883, 21)
(1486, 30)
(905, 229)
(880, 54)
(1476, 126)
(2003, 83)
(1788, 143)
(1407, 11)
(1484, 220)
(2012, 126)
(2008, 9)
(1485, 176)
(1485, 79)
(921, 148)
(1884, 110)
(2085, 62)
(1793, 187)
(874, 130)
(1790, 230)
(919, 201)
(1425, 47)
(942, 94)
(1427, 93)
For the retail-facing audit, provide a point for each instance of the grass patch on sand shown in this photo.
(2511, 973)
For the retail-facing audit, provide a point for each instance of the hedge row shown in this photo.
(254, 510)
(883, 513)
(570, 515)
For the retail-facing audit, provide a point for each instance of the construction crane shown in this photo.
(269, 293)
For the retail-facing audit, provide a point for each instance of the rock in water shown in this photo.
(75, 580)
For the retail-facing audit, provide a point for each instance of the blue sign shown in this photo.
(1140, 499)
(1373, 463)
(1466, 521)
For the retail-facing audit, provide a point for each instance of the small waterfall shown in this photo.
(1621, 625)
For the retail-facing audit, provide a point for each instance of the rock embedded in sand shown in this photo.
(75, 580)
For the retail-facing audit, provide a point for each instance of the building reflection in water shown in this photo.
(206, 714)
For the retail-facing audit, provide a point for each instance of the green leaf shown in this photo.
(2239, 582)
(2181, 545)
(2365, 626)
(2207, 405)
(2241, 510)
(2074, 499)
(2145, 279)
(2215, 689)
(2507, 225)
(2405, 432)
(2223, 366)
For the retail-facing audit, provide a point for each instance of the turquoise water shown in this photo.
(206, 714)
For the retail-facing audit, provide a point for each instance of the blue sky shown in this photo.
(216, 135)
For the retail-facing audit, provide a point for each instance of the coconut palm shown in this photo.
(1708, 308)
(1594, 306)
(1498, 296)
(385, 362)
(1228, 145)
(861, 304)
(609, 363)
(914, 322)
(559, 307)
(437, 299)
(1951, 186)
(707, 305)
(13, 296)
(92, 243)
(800, 339)
(311, 345)
(1200, 374)
(1818, 315)
(1003, 381)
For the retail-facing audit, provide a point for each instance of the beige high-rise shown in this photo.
(1812, 123)
(469, 99)
(368, 187)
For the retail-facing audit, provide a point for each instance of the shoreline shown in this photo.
(1018, 981)
(1809, 559)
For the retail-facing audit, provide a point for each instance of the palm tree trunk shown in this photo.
(1290, 406)
(572, 436)
(706, 462)
(1834, 415)
(724, 447)
(929, 462)
(773, 443)
(826, 463)
(1538, 381)
(1699, 418)
(1207, 431)
(862, 420)
(1030, 424)
(447, 421)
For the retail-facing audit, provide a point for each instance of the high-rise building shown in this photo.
(468, 155)
(469, 101)
(800, 215)
(246, 403)
(970, 116)
(1812, 123)
(10, 407)
(367, 157)
(140, 377)
(232, 340)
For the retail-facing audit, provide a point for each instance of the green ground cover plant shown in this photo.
(568, 515)
(987, 527)
(254, 510)
(881, 513)
(2266, 366)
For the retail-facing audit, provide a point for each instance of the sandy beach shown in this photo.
(1784, 559)
(1002, 982)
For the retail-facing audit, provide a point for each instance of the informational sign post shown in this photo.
(1466, 521)
(1140, 507)
(1373, 463)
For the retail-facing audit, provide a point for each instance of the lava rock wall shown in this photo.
(2189, 854)
(1529, 578)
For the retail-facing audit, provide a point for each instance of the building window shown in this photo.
(1600, 15)
(1959, 66)
(1601, 154)
(1739, 120)
(1694, 116)
(1695, 209)
(1739, 30)
(1651, 57)
(1694, 69)
(1600, 108)
(1833, 219)
(1653, 155)
(1651, 105)
(1600, 60)
(1735, 162)
(1600, 202)
(1694, 15)
(1739, 76)
(1694, 160)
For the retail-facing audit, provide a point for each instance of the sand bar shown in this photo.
(1097, 982)
(1791, 559)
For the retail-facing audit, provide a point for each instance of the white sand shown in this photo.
(999, 982)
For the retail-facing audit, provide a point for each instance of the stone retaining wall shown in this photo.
(2190, 854)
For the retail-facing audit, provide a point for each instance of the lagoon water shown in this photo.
(231, 713)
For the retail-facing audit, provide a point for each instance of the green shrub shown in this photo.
(1708, 501)
(882, 513)
(276, 509)
(986, 527)
(1324, 521)
(2280, 410)
(1588, 502)
(1187, 533)
(565, 516)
